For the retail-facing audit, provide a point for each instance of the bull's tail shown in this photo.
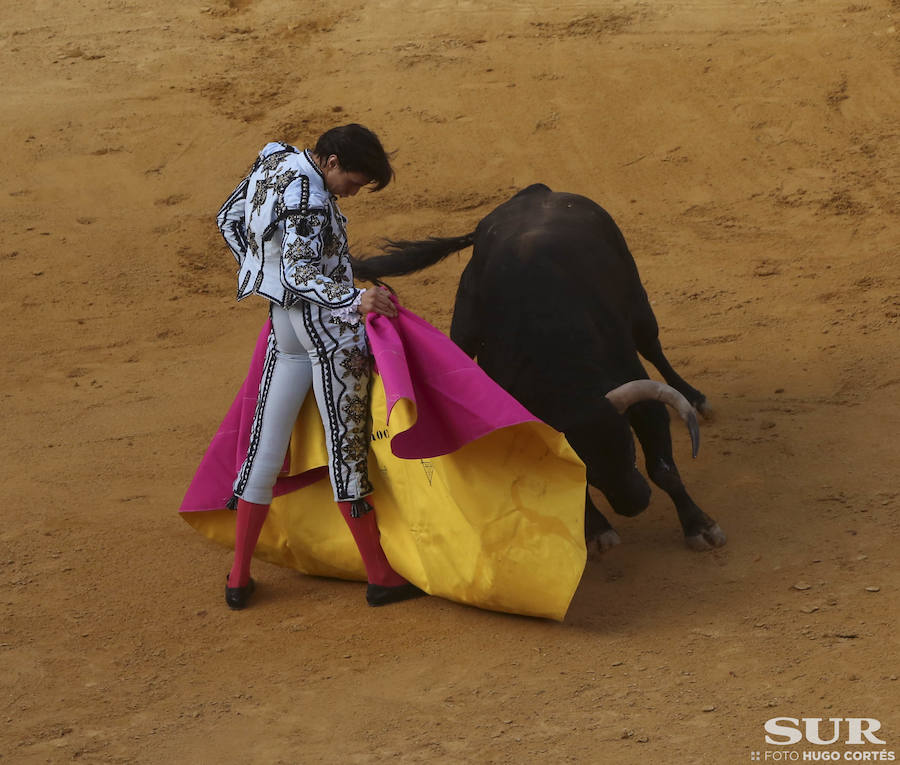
(403, 257)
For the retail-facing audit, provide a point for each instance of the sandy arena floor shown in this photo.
(748, 150)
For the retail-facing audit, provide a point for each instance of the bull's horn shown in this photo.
(651, 390)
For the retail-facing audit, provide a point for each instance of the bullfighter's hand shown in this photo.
(377, 301)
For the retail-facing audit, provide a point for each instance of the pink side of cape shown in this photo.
(456, 402)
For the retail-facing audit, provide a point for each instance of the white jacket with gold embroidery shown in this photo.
(287, 233)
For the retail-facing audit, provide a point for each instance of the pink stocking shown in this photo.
(368, 540)
(249, 523)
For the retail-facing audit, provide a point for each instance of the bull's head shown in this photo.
(606, 446)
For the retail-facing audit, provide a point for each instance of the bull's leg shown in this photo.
(599, 536)
(650, 422)
(645, 331)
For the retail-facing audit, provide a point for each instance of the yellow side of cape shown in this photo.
(497, 524)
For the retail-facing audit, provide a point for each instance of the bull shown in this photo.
(552, 308)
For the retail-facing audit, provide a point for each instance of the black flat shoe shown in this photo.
(238, 597)
(379, 595)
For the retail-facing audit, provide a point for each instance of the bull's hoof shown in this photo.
(704, 409)
(707, 539)
(607, 540)
(603, 543)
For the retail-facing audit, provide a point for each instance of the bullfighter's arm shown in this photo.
(231, 221)
(301, 262)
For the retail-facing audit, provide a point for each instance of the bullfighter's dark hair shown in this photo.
(358, 151)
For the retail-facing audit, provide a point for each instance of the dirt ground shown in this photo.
(747, 149)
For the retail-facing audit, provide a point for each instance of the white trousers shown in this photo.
(308, 347)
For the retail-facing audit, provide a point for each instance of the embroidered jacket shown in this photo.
(287, 233)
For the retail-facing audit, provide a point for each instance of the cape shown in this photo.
(477, 500)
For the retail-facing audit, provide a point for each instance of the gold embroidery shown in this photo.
(356, 409)
(356, 363)
(356, 448)
(301, 249)
(336, 291)
(304, 273)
